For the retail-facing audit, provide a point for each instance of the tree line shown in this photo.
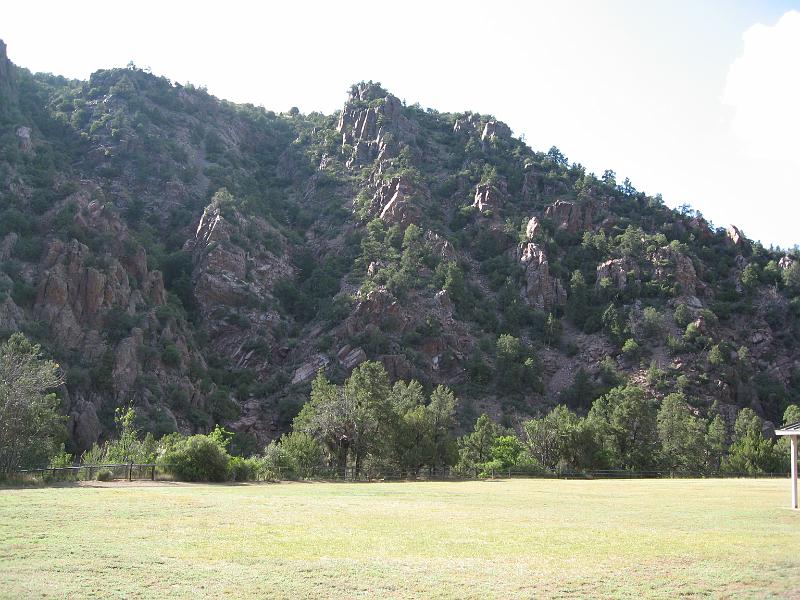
(368, 426)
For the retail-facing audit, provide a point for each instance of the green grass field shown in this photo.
(493, 539)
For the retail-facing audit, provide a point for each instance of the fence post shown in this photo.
(130, 468)
(153, 473)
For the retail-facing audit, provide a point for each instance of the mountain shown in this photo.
(202, 260)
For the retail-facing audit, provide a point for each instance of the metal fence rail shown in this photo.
(153, 472)
(129, 471)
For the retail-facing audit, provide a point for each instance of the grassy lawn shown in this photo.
(495, 539)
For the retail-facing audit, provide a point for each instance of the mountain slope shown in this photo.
(201, 260)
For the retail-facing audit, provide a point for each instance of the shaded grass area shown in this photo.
(497, 539)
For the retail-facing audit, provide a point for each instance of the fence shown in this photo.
(153, 472)
(129, 471)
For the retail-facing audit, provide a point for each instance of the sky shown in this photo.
(698, 101)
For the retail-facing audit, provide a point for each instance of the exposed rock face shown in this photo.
(668, 261)
(7, 245)
(467, 124)
(350, 357)
(488, 197)
(785, 262)
(377, 309)
(11, 315)
(572, 217)
(541, 289)
(72, 296)
(308, 370)
(440, 247)
(616, 270)
(84, 423)
(735, 236)
(226, 274)
(700, 226)
(493, 129)
(397, 366)
(532, 228)
(126, 363)
(367, 117)
(25, 143)
(7, 80)
(393, 202)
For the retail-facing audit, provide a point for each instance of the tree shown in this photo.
(715, 443)
(750, 277)
(577, 309)
(750, 451)
(625, 420)
(352, 421)
(441, 417)
(31, 427)
(475, 449)
(505, 452)
(681, 434)
(516, 368)
(683, 316)
(791, 277)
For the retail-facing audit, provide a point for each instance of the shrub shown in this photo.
(631, 349)
(197, 458)
(104, 475)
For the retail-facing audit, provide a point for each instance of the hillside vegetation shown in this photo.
(201, 261)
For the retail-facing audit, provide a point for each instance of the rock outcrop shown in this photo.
(616, 270)
(541, 289)
(494, 129)
(669, 262)
(25, 143)
(73, 296)
(7, 79)
(350, 357)
(571, 216)
(369, 115)
(395, 202)
(467, 124)
(735, 236)
(489, 197)
(307, 371)
(532, 228)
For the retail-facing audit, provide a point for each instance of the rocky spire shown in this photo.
(7, 83)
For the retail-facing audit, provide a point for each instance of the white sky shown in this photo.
(697, 100)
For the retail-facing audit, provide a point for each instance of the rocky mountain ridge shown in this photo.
(201, 260)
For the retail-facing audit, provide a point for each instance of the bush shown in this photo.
(197, 458)
(631, 349)
(104, 475)
(242, 469)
